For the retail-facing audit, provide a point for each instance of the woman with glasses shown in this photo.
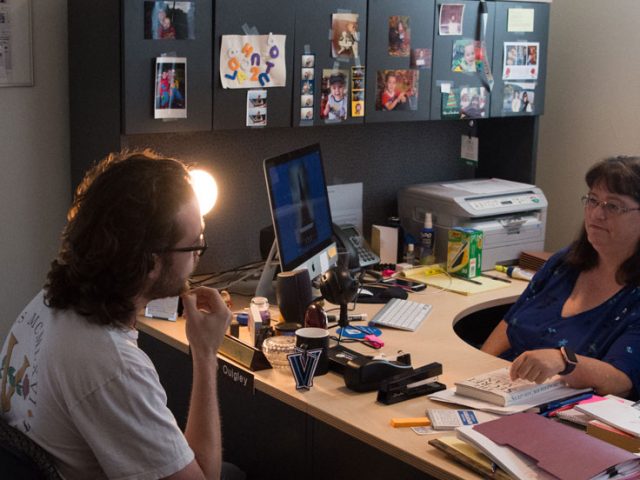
(580, 315)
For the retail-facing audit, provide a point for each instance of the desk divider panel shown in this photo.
(404, 50)
(449, 52)
(319, 26)
(233, 17)
(505, 91)
(138, 69)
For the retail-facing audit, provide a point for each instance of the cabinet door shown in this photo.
(399, 60)
(261, 17)
(520, 58)
(459, 87)
(331, 39)
(187, 35)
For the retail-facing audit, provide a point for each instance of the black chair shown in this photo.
(22, 458)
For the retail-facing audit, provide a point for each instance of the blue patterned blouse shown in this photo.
(608, 332)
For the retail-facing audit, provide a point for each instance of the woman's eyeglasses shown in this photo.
(610, 208)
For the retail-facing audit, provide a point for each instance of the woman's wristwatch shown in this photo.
(570, 360)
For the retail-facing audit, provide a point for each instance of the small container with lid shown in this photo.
(263, 307)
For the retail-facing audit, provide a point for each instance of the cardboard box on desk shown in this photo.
(464, 252)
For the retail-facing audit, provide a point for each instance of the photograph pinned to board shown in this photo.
(450, 104)
(520, 60)
(306, 87)
(253, 61)
(357, 91)
(307, 73)
(519, 97)
(256, 108)
(397, 90)
(334, 92)
(421, 58)
(345, 36)
(16, 57)
(170, 87)
(467, 56)
(169, 20)
(399, 36)
(306, 113)
(308, 60)
(306, 100)
(451, 19)
(473, 102)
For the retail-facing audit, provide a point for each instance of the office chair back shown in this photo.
(22, 458)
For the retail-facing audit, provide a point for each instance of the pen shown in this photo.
(468, 280)
(493, 277)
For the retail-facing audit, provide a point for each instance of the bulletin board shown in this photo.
(231, 106)
(520, 27)
(331, 39)
(399, 60)
(457, 28)
(143, 45)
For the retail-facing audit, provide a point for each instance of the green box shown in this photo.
(464, 252)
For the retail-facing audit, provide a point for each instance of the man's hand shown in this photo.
(207, 319)
(537, 365)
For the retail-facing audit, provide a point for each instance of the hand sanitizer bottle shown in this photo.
(427, 240)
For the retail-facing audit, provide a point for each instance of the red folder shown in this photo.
(563, 451)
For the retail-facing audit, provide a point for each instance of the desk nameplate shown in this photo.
(246, 355)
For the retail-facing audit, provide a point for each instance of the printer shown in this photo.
(511, 215)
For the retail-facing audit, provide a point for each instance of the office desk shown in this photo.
(330, 426)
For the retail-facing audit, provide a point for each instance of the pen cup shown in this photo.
(312, 338)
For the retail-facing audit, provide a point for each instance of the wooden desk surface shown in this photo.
(358, 414)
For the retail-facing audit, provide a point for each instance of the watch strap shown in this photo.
(570, 360)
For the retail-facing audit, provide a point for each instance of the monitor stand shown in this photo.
(265, 284)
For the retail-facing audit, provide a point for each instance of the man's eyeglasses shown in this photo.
(197, 249)
(610, 208)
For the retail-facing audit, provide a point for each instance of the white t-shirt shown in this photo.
(89, 396)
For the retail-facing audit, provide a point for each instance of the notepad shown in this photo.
(453, 284)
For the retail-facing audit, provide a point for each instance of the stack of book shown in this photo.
(533, 260)
(614, 420)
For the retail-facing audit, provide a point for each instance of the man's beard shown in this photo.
(167, 284)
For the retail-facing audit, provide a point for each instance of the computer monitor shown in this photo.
(300, 211)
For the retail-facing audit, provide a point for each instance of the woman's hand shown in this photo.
(537, 365)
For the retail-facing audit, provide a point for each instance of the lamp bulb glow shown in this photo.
(205, 188)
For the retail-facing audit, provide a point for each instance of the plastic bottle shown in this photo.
(427, 238)
(263, 306)
(516, 272)
(410, 256)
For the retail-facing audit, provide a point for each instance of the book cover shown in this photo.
(613, 435)
(497, 387)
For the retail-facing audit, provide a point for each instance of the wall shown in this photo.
(593, 97)
(35, 184)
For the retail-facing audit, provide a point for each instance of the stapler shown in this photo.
(414, 383)
(366, 374)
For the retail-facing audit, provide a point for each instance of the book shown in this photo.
(449, 419)
(469, 456)
(613, 435)
(564, 452)
(497, 387)
(616, 412)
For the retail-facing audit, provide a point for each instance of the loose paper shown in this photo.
(520, 20)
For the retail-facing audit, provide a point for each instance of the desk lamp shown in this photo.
(205, 188)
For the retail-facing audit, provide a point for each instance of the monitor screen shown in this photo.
(300, 210)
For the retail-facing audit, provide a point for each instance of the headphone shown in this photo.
(338, 286)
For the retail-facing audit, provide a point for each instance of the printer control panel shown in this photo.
(505, 201)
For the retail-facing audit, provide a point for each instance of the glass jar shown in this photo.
(263, 307)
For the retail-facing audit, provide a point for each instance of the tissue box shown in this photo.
(464, 252)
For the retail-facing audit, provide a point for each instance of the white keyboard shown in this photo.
(402, 314)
